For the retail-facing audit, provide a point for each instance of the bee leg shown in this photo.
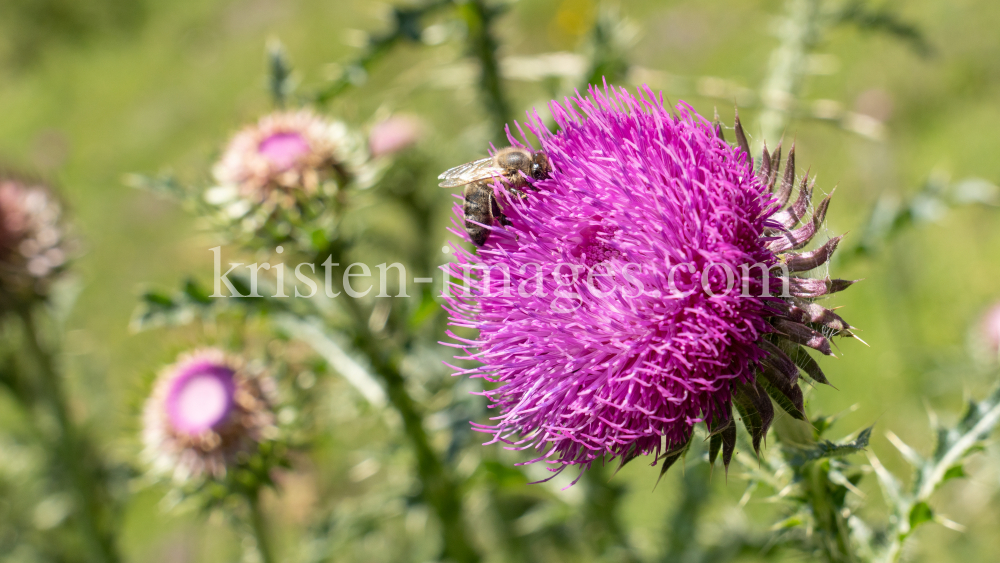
(478, 208)
(495, 208)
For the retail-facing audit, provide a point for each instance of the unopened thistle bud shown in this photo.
(286, 166)
(394, 134)
(986, 336)
(205, 414)
(32, 240)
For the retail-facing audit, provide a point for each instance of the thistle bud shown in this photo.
(206, 412)
(32, 240)
(394, 134)
(289, 167)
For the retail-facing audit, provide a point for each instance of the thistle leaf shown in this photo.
(920, 513)
(826, 449)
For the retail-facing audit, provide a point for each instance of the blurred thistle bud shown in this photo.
(985, 338)
(207, 413)
(32, 240)
(289, 168)
(394, 134)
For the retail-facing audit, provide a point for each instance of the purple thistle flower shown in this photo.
(614, 311)
(204, 413)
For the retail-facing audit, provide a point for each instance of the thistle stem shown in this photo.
(483, 46)
(798, 34)
(259, 527)
(72, 450)
(439, 489)
(836, 544)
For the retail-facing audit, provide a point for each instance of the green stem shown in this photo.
(73, 451)
(601, 512)
(799, 33)
(259, 527)
(439, 489)
(835, 540)
(407, 27)
(483, 46)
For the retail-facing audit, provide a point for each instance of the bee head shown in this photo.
(540, 166)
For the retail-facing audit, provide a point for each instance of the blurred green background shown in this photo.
(92, 91)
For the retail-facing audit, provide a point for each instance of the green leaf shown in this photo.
(826, 449)
(280, 70)
(920, 513)
(954, 472)
(196, 292)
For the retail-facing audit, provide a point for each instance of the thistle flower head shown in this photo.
(636, 305)
(287, 165)
(32, 240)
(204, 413)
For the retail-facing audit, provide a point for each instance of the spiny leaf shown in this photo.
(826, 448)
(280, 70)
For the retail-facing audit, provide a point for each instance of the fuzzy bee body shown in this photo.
(515, 166)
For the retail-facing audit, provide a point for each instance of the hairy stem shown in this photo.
(798, 34)
(834, 539)
(483, 46)
(73, 451)
(406, 27)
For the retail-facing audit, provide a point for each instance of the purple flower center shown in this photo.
(201, 397)
(283, 149)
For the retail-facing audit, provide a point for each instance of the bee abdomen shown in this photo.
(478, 208)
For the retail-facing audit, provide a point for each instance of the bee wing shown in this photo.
(482, 169)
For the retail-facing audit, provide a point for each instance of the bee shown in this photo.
(513, 165)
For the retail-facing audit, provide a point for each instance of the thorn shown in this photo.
(858, 338)
(950, 524)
